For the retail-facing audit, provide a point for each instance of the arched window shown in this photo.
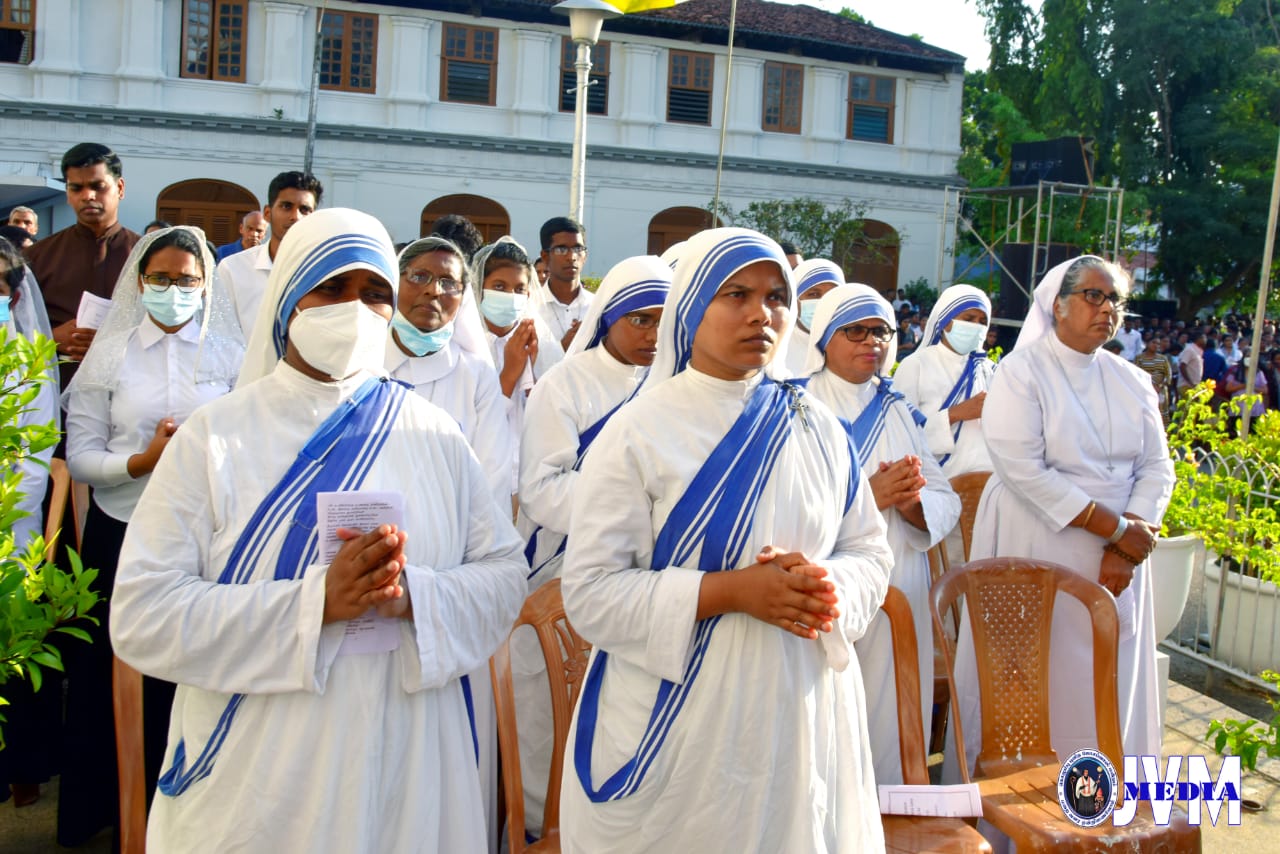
(871, 257)
(669, 227)
(215, 206)
(490, 218)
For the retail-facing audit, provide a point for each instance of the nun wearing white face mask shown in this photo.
(722, 710)
(947, 378)
(221, 587)
(168, 345)
(852, 341)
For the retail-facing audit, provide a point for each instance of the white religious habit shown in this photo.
(287, 734)
(884, 428)
(726, 734)
(1064, 428)
(244, 276)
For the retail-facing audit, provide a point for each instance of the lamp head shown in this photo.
(586, 17)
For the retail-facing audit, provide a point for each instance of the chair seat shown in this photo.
(1024, 806)
(921, 834)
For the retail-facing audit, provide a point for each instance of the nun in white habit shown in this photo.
(814, 277)
(1082, 477)
(722, 711)
(437, 345)
(947, 378)
(851, 343)
(292, 729)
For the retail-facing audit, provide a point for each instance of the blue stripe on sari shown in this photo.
(337, 456)
(821, 274)
(851, 311)
(865, 432)
(960, 392)
(635, 296)
(947, 313)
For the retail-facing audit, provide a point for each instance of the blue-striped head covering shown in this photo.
(955, 300)
(325, 244)
(633, 284)
(837, 309)
(707, 261)
(817, 271)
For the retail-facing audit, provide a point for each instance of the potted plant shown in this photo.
(38, 601)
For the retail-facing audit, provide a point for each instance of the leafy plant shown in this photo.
(38, 601)
(1247, 738)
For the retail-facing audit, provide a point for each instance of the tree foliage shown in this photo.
(818, 230)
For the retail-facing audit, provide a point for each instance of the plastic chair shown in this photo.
(938, 567)
(59, 491)
(911, 834)
(1009, 602)
(969, 487)
(566, 655)
(126, 699)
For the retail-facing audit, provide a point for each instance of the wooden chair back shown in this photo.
(126, 699)
(566, 656)
(969, 487)
(1009, 602)
(59, 493)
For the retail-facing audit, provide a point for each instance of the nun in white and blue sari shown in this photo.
(715, 716)
(296, 727)
(814, 277)
(919, 505)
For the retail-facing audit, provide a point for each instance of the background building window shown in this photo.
(349, 52)
(469, 64)
(213, 39)
(783, 97)
(598, 91)
(490, 218)
(871, 108)
(689, 77)
(17, 30)
(215, 206)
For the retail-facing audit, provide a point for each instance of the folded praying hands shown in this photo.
(366, 574)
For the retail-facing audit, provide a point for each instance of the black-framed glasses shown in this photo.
(642, 321)
(578, 251)
(1093, 296)
(447, 287)
(857, 334)
(159, 283)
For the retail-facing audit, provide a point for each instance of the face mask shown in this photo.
(501, 308)
(340, 339)
(171, 307)
(4, 309)
(417, 342)
(808, 308)
(965, 336)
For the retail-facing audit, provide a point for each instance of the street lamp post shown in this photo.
(586, 17)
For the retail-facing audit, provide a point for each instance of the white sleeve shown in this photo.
(88, 432)
(939, 502)
(548, 451)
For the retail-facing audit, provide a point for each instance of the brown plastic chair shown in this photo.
(1009, 602)
(969, 487)
(902, 833)
(126, 699)
(59, 491)
(566, 655)
(938, 566)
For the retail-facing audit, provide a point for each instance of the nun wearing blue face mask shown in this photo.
(813, 278)
(947, 377)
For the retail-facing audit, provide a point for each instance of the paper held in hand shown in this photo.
(960, 801)
(361, 511)
(92, 311)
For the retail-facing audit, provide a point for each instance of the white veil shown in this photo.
(631, 285)
(838, 308)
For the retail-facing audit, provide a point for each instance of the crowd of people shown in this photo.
(720, 454)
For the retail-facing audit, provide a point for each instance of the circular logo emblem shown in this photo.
(1087, 788)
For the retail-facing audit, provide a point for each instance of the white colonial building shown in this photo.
(429, 107)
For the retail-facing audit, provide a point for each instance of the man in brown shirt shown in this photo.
(89, 255)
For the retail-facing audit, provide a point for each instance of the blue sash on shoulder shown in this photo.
(960, 392)
(713, 519)
(337, 456)
(866, 430)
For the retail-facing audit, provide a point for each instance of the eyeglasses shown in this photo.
(858, 334)
(158, 283)
(642, 321)
(1093, 296)
(577, 251)
(447, 287)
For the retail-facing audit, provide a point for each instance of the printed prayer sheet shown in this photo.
(92, 311)
(959, 801)
(361, 511)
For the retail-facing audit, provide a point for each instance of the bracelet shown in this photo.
(1088, 514)
(1122, 525)
(1118, 552)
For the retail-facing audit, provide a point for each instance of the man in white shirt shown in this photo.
(1131, 338)
(565, 303)
(290, 197)
(1191, 363)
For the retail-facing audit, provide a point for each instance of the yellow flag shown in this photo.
(626, 7)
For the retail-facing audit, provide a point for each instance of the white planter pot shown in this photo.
(1172, 565)
(1250, 636)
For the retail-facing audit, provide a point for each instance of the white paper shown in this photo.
(959, 801)
(1127, 611)
(92, 311)
(362, 511)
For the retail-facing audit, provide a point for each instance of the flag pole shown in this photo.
(724, 113)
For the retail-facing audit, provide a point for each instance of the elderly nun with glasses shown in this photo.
(851, 345)
(1082, 476)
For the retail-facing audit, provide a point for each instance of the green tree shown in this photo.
(836, 232)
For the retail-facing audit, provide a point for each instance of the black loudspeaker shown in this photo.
(1068, 159)
(1011, 303)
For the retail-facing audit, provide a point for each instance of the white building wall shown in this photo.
(111, 75)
